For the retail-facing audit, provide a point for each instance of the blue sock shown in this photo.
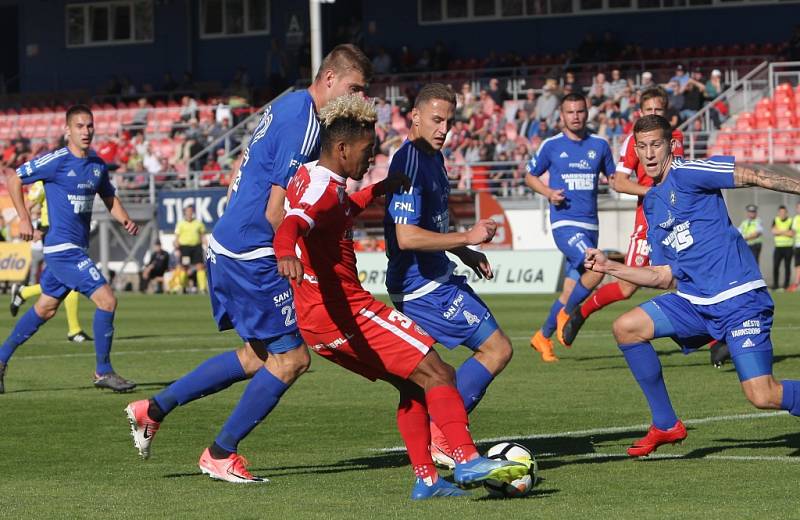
(209, 377)
(791, 396)
(576, 297)
(472, 379)
(646, 368)
(26, 327)
(258, 399)
(550, 323)
(103, 327)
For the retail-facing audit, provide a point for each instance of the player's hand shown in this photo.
(483, 231)
(395, 181)
(131, 227)
(290, 267)
(478, 262)
(25, 229)
(556, 197)
(596, 261)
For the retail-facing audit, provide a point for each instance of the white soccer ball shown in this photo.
(520, 487)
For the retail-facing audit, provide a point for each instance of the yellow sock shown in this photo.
(29, 291)
(71, 306)
(202, 281)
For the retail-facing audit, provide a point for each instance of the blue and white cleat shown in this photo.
(440, 488)
(471, 474)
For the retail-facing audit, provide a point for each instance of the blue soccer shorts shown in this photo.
(573, 242)
(70, 270)
(452, 314)
(743, 322)
(250, 297)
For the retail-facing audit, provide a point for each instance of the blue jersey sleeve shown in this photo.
(540, 162)
(105, 188)
(712, 174)
(609, 166)
(291, 150)
(40, 169)
(406, 207)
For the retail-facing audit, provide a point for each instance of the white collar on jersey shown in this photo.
(335, 176)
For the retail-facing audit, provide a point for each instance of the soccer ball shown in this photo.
(521, 486)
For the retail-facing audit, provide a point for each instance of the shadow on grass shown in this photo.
(139, 386)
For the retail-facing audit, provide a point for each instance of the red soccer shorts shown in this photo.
(638, 249)
(379, 341)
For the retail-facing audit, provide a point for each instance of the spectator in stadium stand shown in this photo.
(647, 80)
(503, 145)
(547, 104)
(693, 94)
(598, 95)
(529, 103)
(212, 171)
(752, 230)
(601, 84)
(676, 99)
(784, 246)
(569, 81)
(155, 267)
(680, 76)
(617, 84)
(382, 62)
(139, 121)
(497, 94)
(424, 61)
(543, 130)
(384, 111)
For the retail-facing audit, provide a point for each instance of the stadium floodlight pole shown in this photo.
(315, 16)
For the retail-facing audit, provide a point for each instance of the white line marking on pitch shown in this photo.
(666, 456)
(615, 429)
(128, 353)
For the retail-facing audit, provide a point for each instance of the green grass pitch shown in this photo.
(65, 449)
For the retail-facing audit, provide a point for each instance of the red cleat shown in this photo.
(655, 438)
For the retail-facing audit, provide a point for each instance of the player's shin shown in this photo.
(578, 294)
(209, 377)
(103, 327)
(259, 398)
(605, 295)
(472, 379)
(413, 423)
(446, 408)
(646, 368)
(550, 323)
(26, 327)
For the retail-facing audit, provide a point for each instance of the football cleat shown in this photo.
(113, 381)
(472, 473)
(573, 325)
(16, 298)
(2, 376)
(561, 320)
(230, 469)
(80, 337)
(440, 450)
(440, 488)
(719, 354)
(543, 346)
(143, 428)
(655, 438)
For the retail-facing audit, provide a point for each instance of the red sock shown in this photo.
(413, 422)
(447, 411)
(606, 295)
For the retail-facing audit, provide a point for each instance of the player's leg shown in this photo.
(103, 327)
(202, 279)
(74, 330)
(776, 265)
(577, 245)
(540, 341)
(286, 361)
(44, 309)
(20, 293)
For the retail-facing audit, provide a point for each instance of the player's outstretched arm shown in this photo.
(412, 237)
(391, 184)
(746, 175)
(622, 183)
(117, 210)
(14, 186)
(475, 260)
(286, 237)
(275, 206)
(657, 276)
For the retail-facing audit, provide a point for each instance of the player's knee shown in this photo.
(764, 396)
(250, 359)
(45, 313)
(295, 363)
(500, 350)
(627, 329)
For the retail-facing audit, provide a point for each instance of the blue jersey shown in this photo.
(71, 184)
(286, 137)
(689, 230)
(424, 205)
(574, 167)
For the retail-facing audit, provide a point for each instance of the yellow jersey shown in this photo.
(190, 233)
(36, 195)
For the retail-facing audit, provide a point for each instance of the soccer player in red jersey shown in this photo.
(653, 101)
(342, 322)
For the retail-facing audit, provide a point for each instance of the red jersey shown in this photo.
(629, 161)
(331, 292)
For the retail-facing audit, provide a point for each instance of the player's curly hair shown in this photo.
(345, 118)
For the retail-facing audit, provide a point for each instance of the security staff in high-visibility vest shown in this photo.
(190, 239)
(796, 229)
(784, 246)
(752, 229)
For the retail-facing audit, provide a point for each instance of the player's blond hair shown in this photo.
(352, 107)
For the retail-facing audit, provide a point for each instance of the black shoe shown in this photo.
(2, 375)
(80, 337)
(16, 298)
(113, 381)
(719, 354)
(573, 325)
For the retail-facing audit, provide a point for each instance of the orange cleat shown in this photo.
(231, 469)
(561, 319)
(440, 449)
(543, 346)
(655, 438)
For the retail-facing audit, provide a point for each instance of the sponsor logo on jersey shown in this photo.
(96, 171)
(280, 299)
(420, 330)
(454, 307)
(72, 173)
(748, 343)
(333, 345)
(669, 222)
(583, 164)
(748, 328)
(563, 155)
(83, 264)
(592, 154)
(680, 237)
(672, 198)
(86, 185)
(471, 318)
(404, 206)
(579, 181)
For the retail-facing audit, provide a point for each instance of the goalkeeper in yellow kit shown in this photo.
(20, 293)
